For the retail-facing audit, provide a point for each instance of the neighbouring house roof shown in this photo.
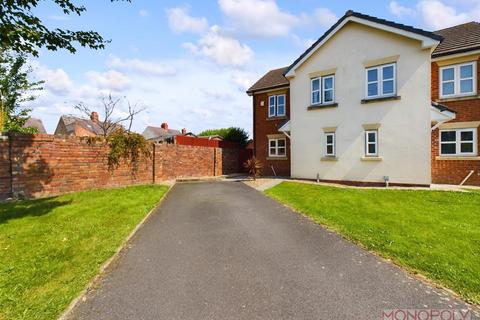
(458, 39)
(428, 38)
(159, 133)
(272, 79)
(35, 123)
(71, 122)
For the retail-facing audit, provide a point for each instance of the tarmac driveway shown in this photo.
(221, 250)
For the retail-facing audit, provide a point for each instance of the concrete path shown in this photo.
(222, 250)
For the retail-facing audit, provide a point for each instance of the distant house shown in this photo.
(74, 126)
(162, 133)
(35, 123)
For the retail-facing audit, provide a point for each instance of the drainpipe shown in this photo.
(439, 124)
(467, 177)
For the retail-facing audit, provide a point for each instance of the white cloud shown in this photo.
(325, 17)
(180, 21)
(141, 66)
(400, 11)
(111, 80)
(143, 13)
(56, 80)
(222, 49)
(437, 15)
(262, 18)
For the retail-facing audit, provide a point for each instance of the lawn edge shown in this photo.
(103, 268)
(417, 274)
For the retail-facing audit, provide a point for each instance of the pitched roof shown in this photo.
(151, 132)
(35, 123)
(87, 124)
(350, 14)
(272, 79)
(462, 38)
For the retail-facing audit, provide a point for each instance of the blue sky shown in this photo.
(189, 63)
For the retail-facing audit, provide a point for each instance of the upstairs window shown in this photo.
(277, 147)
(323, 90)
(381, 81)
(371, 143)
(458, 80)
(458, 142)
(276, 105)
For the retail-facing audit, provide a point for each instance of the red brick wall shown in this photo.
(45, 165)
(263, 126)
(454, 171)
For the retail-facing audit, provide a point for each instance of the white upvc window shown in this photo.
(371, 143)
(323, 90)
(277, 105)
(330, 144)
(381, 81)
(458, 142)
(458, 80)
(277, 147)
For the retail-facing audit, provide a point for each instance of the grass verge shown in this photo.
(51, 248)
(435, 233)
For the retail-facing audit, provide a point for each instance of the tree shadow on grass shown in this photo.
(29, 208)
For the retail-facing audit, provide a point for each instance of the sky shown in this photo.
(189, 63)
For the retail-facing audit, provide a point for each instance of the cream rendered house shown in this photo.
(360, 104)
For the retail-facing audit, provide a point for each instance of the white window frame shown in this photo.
(284, 105)
(270, 105)
(380, 81)
(328, 134)
(456, 80)
(314, 91)
(275, 113)
(458, 143)
(321, 90)
(367, 143)
(276, 147)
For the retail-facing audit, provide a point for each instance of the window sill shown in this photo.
(322, 106)
(372, 158)
(380, 99)
(458, 98)
(277, 158)
(468, 158)
(277, 118)
(329, 158)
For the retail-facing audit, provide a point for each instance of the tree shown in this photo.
(123, 144)
(16, 88)
(23, 32)
(109, 105)
(238, 135)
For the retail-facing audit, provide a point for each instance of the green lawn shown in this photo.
(434, 233)
(51, 248)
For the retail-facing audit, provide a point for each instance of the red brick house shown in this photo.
(455, 110)
(69, 125)
(455, 85)
(271, 111)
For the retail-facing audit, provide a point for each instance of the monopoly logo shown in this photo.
(427, 314)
